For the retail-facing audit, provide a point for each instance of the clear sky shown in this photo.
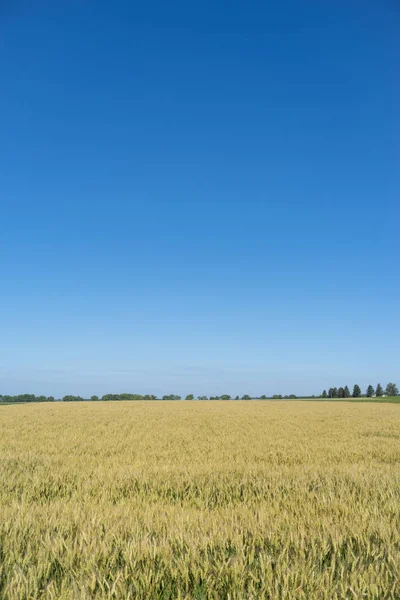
(199, 196)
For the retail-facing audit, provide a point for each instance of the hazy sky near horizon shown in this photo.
(199, 196)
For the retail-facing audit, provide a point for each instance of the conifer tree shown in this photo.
(370, 391)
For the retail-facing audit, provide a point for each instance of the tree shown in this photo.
(246, 397)
(356, 391)
(277, 397)
(225, 397)
(324, 394)
(263, 397)
(237, 398)
(340, 393)
(293, 396)
(379, 390)
(24, 398)
(109, 397)
(335, 393)
(391, 390)
(370, 391)
(190, 397)
(94, 398)
(346, 391)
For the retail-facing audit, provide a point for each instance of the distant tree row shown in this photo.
(244, 397)
(26, 398)
(341, 392)
(344, 392)
(111, 397)
(125, 396)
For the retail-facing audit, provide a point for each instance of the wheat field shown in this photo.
(198, 500)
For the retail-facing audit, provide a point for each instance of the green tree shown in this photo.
(340, 393)
(370, 391)
(225, 397)
(94, 398)
(246, 397)
(335, 393)
(24, 398)
(346, 392)
(379, 391)
(356, 391)
(324, 394)
(189, 397)
(391, 390)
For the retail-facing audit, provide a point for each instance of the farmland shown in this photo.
(200, 500)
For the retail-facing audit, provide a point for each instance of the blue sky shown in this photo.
(198, 197)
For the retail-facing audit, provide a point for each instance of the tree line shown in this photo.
(26, 398)
(22, 398)
(371, 392)
(333, 392)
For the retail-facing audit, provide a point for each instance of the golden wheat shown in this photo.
(191, 500)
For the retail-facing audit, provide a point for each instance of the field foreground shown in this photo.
(217, 500)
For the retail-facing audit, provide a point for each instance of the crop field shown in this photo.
(198, 500)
